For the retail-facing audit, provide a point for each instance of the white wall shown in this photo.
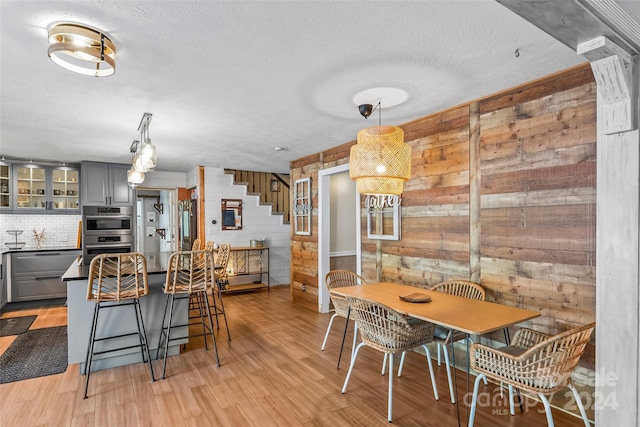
(257, 222)
(157, 179)
(342, 239)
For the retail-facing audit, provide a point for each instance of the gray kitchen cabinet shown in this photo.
(36, 275)
(40, 188)
(3, 282)
(105, 184)
(5, 186)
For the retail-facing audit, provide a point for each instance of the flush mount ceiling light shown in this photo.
(380, 162)
(82, 49)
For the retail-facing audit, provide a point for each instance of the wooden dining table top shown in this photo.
(462, 314)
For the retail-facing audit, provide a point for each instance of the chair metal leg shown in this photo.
(353, 362)
(326, 335)
(474, 399)
(224, 314)
(92, 336)
(547, 409)
(140, 338)
(344, 335)
(355, 336)
(512, 411)
(390, 397)
(433, 378)
(438, 348)
(164, 317)
(166, 343)
(404, 353)
(576, 396)
(144, 336)
(213, 337)
(384, 363)
(202, 313)
(448, 367)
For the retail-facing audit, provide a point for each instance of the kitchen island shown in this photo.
(120, 320)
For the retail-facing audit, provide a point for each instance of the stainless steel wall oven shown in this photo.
(106, 229)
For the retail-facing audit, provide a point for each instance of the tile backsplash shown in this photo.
(59, 230)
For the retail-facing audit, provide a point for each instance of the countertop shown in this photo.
(156, 264)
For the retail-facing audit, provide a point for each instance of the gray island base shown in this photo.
(120, 320)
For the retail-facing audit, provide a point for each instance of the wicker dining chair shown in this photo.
(444, 336)
(391, 332)
(190, 274)
(534, 362)
(117, 280)
(339, 279)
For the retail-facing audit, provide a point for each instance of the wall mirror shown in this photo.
(383, 217)
(302, 206)
(231, 214)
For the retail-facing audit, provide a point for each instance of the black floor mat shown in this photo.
(35, 353)
(15, 325)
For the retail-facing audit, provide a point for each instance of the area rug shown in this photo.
(15, 325)
(36, 353)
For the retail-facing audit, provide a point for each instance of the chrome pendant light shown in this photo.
(143, 153)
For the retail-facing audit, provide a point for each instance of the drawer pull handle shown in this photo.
(47, 277)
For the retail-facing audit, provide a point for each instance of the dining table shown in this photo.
(471, 316)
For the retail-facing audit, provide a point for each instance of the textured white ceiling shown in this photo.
(226, 82)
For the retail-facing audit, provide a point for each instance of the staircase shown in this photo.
(272, 188)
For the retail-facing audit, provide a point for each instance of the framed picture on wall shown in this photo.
(383, 217)
(275, 185)
(302, 207)
(231, 214)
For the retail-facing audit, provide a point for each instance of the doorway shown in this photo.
(328, 227)
(156, 221)
(188, 214)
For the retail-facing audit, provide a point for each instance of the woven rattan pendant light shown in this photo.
(380, 162)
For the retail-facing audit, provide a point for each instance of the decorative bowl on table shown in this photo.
(15, 245)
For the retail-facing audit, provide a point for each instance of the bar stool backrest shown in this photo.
(189, 272)
(209, 246)
(222, 260)
(196, 245)
(116, 277)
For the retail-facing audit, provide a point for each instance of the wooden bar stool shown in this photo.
(189, 276)
(117, 280)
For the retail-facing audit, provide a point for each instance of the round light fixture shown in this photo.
(82, 49)
(392, 96)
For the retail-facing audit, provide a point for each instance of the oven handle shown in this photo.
(98, 216)
(108, 245)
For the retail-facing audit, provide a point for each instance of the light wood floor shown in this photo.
(273, 374)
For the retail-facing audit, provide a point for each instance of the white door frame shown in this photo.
(324, 227)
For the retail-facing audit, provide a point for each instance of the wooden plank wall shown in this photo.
(538, 202)
(502, 191)
(260, 183)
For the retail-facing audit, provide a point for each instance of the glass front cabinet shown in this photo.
(5, 186)
(46, 188)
